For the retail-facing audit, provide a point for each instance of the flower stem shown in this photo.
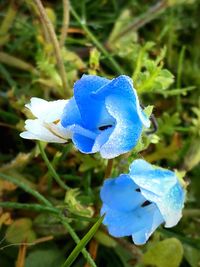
(108, 171)
(96, 42)
(49, 26)
(26, 188)
(65, 23)
(51, 168)
(33, 207)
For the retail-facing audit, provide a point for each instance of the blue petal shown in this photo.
(84, 144)
(123, 87)
(141, 237)
(93, 111)
(101, 139)
(155, 180)
(120, 194)
(161, 187)
(171, 205)
(82, 138)
(127, 130)
(126, 223)
(71, 114)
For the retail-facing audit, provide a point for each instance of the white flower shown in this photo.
(46, 127)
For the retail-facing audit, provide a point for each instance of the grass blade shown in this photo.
(74, 254)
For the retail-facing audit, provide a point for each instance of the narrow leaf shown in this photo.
(74, 254)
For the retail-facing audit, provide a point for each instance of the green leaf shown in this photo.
(74, 254)
(148, 110)
(159, 254)
(45, 257)
(20, 231)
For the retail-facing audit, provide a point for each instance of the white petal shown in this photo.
(47, 111)
(37, 130)
(59, 130)
(27, 135)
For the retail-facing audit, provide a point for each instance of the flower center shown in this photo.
(146, 203)
(105, 127)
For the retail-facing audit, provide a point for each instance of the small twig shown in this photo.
(35, 242)
(154, 123)
(65, 23)
(139, 22)
(49, 26)
(21, 255)
(108, 171)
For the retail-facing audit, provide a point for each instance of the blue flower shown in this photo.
(137, 203)
(104, 115)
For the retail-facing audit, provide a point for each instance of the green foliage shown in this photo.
(82, 243)
(164, 252)
(167, 123)
(158, 46)
(20, 231)
(74, 205)
(45, 257)
(149, 75)
(192, 255)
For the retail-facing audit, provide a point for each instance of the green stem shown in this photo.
(33, 207)
(51, 168)
(65, 23)
(26, 188)
(74, 254)
(96, 42)
(108, 171)
(49, 26)
(77, 240)
(179, 75)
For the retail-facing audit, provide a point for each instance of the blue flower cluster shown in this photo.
(137, 203)
(105, 116)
